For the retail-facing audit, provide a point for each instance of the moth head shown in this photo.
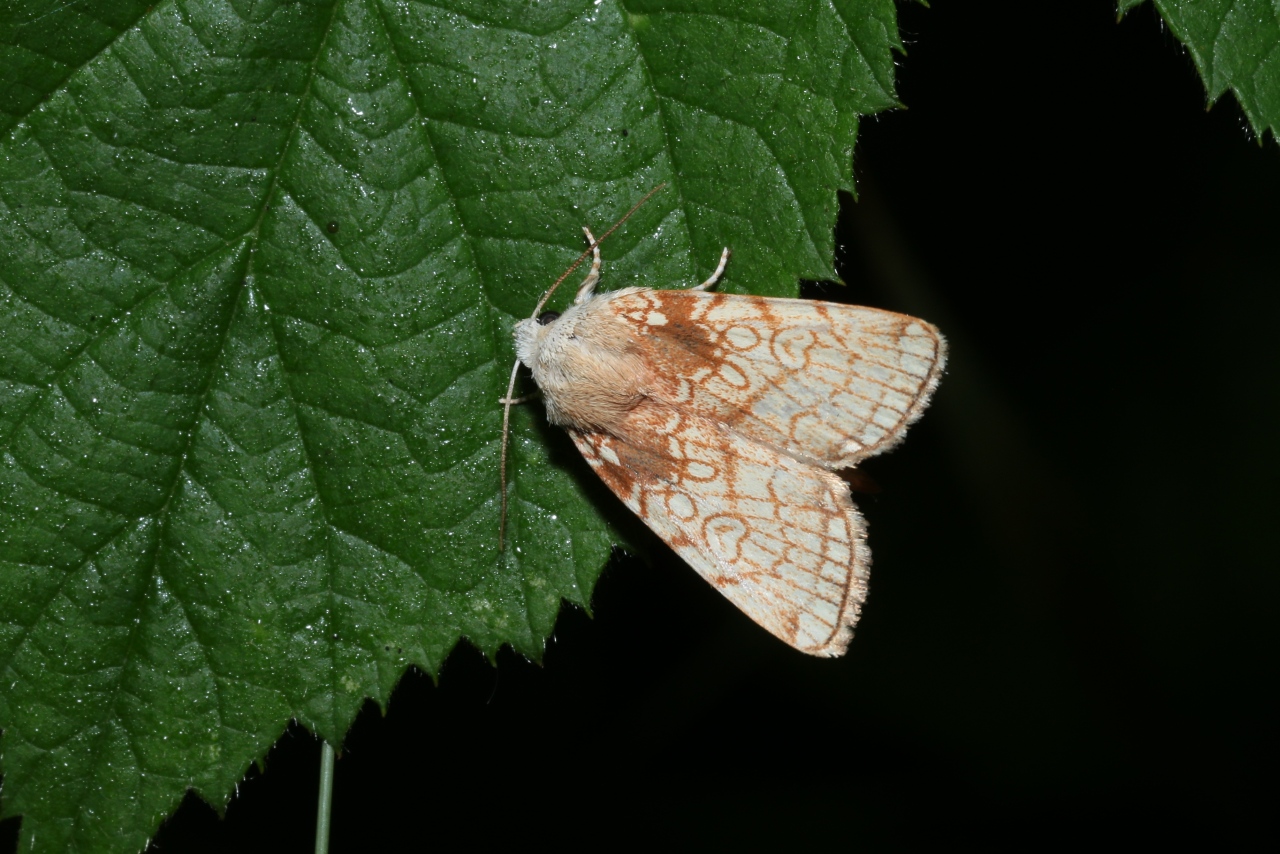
(551, 328)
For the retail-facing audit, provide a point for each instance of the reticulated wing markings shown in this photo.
(778, 537)
(826, 382)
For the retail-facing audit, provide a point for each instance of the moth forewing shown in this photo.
(719, 420)
(778, 537)
(826, 382)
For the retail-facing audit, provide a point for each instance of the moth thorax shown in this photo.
(585, 366)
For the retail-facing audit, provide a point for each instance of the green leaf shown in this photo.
(259, 265)
(1235, 45)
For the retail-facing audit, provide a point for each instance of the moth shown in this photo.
(721, 421)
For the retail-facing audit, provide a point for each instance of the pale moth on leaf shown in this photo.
(720, 420)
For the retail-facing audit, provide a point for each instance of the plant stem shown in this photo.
(325, 805)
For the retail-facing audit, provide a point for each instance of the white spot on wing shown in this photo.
(680, 506)
(742, 337)
(700, 471)
(725, 534)
(733, 376)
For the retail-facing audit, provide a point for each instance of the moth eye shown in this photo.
(548, 317)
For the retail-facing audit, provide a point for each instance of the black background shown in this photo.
(1072, 626)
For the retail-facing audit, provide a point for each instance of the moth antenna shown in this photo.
(502, 464)
(592, 248)
(588, 285)
(715, 277)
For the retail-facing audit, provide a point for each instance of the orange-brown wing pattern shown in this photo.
(825, 382)
(777, 536)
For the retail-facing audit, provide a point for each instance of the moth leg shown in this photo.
(516, 401)
(588, 285)
(715, 277)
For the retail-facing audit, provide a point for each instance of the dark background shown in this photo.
(1072, 626)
